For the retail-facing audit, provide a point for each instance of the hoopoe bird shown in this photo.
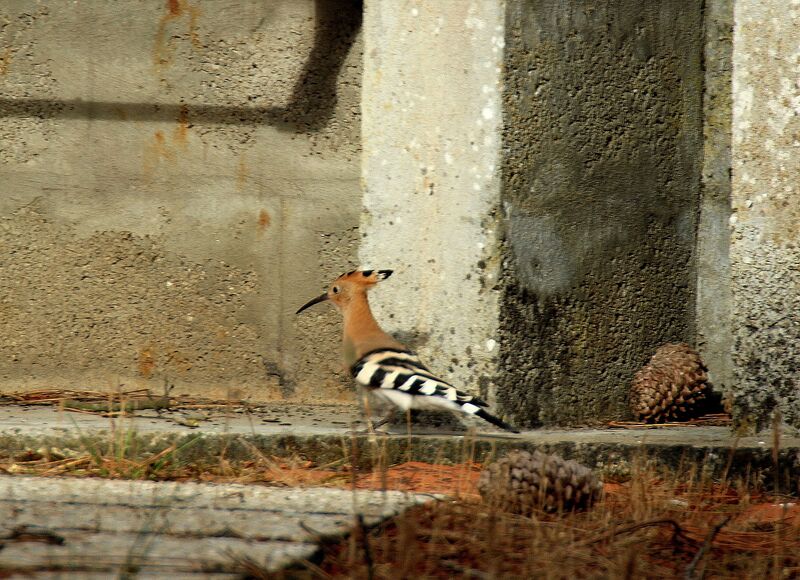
(382, 365)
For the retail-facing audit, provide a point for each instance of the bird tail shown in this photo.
(495, 421)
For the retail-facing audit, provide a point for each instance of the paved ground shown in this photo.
(82, 528)
(334, 420)
(275, 419)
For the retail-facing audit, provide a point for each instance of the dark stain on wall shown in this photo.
(601, 191)
(311, 107)
(313, 101)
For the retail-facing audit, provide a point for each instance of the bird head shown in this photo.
(346, 286)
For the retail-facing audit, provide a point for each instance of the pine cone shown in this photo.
(524, 482)
(670, 386)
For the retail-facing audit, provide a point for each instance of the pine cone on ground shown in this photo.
(524, 482)
(670, 386)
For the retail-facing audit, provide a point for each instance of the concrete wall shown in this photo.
(602, 145)
(431, 132)
(177, 178)
(765, 245)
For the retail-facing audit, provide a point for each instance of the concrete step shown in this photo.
(106, 527)
(321, 434)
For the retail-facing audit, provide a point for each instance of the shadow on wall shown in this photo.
(311, 106)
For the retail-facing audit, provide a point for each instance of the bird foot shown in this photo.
(373, 427)
(369, 431)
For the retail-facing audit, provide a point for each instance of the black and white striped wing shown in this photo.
(402, 371)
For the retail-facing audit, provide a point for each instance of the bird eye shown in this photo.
(335, 289)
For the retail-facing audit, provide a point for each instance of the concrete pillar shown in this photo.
(602, 158)
(431, 155)
(765, 247)
(713, 229)
(531, 170)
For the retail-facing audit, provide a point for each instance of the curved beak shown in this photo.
(310, 303)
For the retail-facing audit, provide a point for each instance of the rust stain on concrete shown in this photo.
(160, 147)
(194, 15)
(5, 61)
(263, 221)
(161, 52)
(155, 151)
(175, 9)
(180, 134)
(147, 362)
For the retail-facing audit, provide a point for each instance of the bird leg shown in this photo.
(373, 426)
(389, 416)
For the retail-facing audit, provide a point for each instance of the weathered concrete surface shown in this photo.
(713, 228)
(765, 246)
(120, 527)
(317, 434)
(176, 177)
(602, 147)
(431, 136)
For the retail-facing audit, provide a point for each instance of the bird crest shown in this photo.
(343, 290)
(365, 277)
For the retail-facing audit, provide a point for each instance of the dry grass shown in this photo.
(113, 404)
(119, 461)
(707, 420)
(652, 526)
(649, 527)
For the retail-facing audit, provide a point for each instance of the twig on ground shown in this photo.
(712, 419)
(689, 575)
(115, 407)
(465, 572)
(364, 533)
(25, 534)
(677, 531)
